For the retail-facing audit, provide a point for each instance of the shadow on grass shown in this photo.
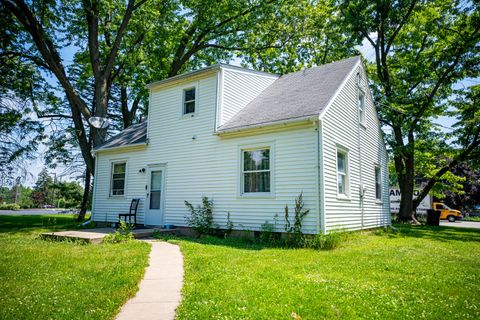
(440, 233)
(16, 224)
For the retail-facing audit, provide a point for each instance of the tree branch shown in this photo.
(459, 159)
(400, 25)
(47, 50)
(38, 61)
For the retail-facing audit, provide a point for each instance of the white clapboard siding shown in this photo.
(209, 165)
(238, 88)
(365, 149)
(106, 208)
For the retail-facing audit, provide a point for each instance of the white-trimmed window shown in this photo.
(256, 171)
(117, 184)
(361, 107)
(342, 172)
(189, 95)
(378, 183)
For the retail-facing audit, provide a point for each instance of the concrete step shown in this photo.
(96, 235)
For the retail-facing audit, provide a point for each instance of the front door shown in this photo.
(154, 203)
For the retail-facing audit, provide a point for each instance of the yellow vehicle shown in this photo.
(447, 213)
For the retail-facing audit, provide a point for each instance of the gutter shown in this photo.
(183, 75)
(94, 151)
(305, 119)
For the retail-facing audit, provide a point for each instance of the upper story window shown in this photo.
(361, 107)
(378, 183)
(117, 185)
(342, 173)
(189, 100)
(256, 171)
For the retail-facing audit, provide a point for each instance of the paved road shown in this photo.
(461, 224)
(25, 212)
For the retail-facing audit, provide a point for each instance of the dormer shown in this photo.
(238, 87)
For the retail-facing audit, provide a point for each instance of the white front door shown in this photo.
(154, 203)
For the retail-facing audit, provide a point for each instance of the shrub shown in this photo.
(294, 233)
(123, 234)
(229, 226)
(61, 203)
(201, 217)
(9, 206)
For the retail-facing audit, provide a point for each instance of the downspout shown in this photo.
(319, 212)
(362, 189)
(321, 184)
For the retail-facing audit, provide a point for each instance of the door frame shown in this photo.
(150, 168)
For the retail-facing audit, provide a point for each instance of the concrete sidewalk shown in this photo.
(159, 292)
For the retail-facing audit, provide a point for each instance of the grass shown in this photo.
(63, 280)
(473, 218)
(415, 273)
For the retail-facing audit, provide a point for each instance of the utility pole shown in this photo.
(54, 188)
(17, 189)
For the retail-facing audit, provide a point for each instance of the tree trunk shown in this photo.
(404, 165)
(406, 199)
(86, 195)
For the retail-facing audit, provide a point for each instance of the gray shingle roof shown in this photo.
(296, 95)
(134, 134)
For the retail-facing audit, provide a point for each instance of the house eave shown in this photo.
(182, 76)
(139, 144)
(272, 124)
(214, 67)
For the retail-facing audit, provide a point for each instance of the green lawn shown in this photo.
(60, 280)
(417, 273)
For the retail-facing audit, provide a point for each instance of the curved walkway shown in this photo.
(159, 292)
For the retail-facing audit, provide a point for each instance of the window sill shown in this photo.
(116, 197)
(188, 115)
(362, 124)
(256, 196)
(378, 202)
(343, 197)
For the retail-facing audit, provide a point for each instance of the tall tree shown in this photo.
(119, 48)
(43, 190)
(422, 49)
(46, 24)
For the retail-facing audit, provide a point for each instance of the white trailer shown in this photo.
(395, 201)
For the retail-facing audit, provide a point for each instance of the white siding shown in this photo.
(238, 88)
(366, 148)
(209, 165)
(106, 207)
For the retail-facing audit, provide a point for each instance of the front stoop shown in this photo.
(96, 235)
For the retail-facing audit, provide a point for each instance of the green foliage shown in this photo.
(69, 194)
(9, 206)
(201, 217)
(268, 234)
(294, 232)
(229, 226)
(472, 218)
(322, 241)
(123, 234)
(42, 191)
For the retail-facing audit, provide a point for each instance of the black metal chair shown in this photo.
(132, 212)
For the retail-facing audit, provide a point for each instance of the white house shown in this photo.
(252, 142)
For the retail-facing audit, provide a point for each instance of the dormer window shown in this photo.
(189, 101)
